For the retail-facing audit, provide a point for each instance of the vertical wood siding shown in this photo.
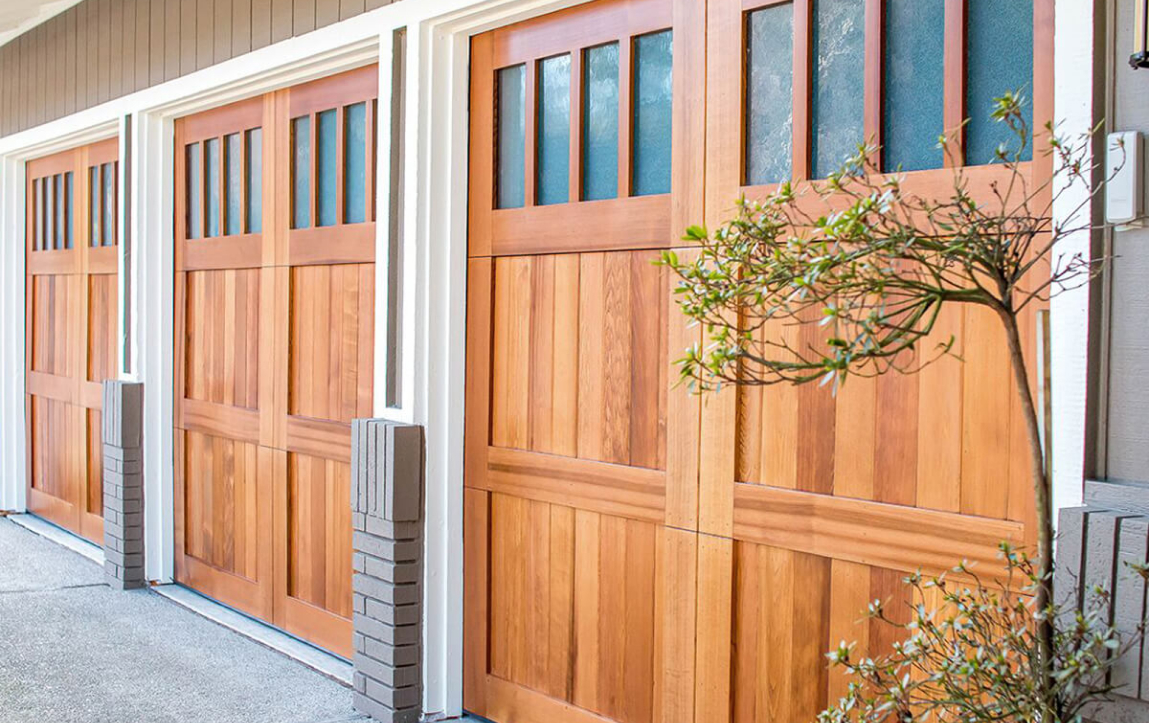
(100, 50)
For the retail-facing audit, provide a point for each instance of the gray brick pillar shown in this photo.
(387, 549)
(123, 485)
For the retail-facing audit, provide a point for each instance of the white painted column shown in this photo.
(1069, 311)
(13, 450)
(152, 306)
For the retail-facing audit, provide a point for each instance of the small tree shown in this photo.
(873, 264)
(973, 660)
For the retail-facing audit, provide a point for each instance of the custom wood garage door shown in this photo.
(637, 554)
(71, 310)
(275, 342)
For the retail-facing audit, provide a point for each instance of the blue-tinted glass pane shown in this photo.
(68, 209)
(34, 228)
(211, 172)
(233, 190)
(554, 132)
(94, 196)
(61, 213)
(327, 164)
(254, 180)
(913, 106)
(653, 71)
(355, 163)
(301, 172)
(769, 94)
(109, 214)
(838, 103)
(600, 123)
(999, 59)
(512, 138)
(194, 191)
(50, 239)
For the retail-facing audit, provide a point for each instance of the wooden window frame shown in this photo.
(626, 221)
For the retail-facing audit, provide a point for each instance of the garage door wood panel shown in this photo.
(71, 320)
(578, 454)
(275, 333)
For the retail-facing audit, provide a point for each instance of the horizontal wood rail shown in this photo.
(872, 533)
(343, 244)
(633, 492)
(65, 389)
(319, 438)
(616, 224)
(226, 252)
(219, 419)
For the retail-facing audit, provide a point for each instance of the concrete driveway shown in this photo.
(72, 649)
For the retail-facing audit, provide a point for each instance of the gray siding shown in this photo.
(103, 49)
(1127, 429)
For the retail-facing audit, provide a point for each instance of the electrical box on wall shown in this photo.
(1125, 167)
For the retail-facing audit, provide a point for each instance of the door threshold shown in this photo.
(327, 664)
(60, 536)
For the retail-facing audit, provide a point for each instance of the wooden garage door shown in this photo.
(580, 460)
(72, 325)
(634, 553)
(275, 341)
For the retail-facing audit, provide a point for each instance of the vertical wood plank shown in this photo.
(115, 49)
(242, 34)
(142, 73)
(224, 23)
(186, 35)
(282, 19)
(326, 12)
(712, 692)
(260, 23)
(204, 33)
(302, 16)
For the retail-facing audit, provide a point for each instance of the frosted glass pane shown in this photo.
(355, 163)
(914, 84)
(600, 123)
(301, 172)
(255, 180)
(512, 137)
(769, 94)
(61, 234)
(69, 209)
(327, 182)
(94, 196)
(554, 131)
(211, 191)
(232, 190)
(109, 214)
(838, 105)
(51, 241)
(194, 192)
(653, 71)
(999, 58)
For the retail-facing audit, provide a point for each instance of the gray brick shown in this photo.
(382, 713)
(392, 530)
(403, 473)
(398, 572)
(386, 592)
(384, 633)
(391, 697)
(396, 677)
(391, 614)
(388, 654)
(385, 549)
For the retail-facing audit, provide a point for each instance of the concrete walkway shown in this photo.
(72, 649)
